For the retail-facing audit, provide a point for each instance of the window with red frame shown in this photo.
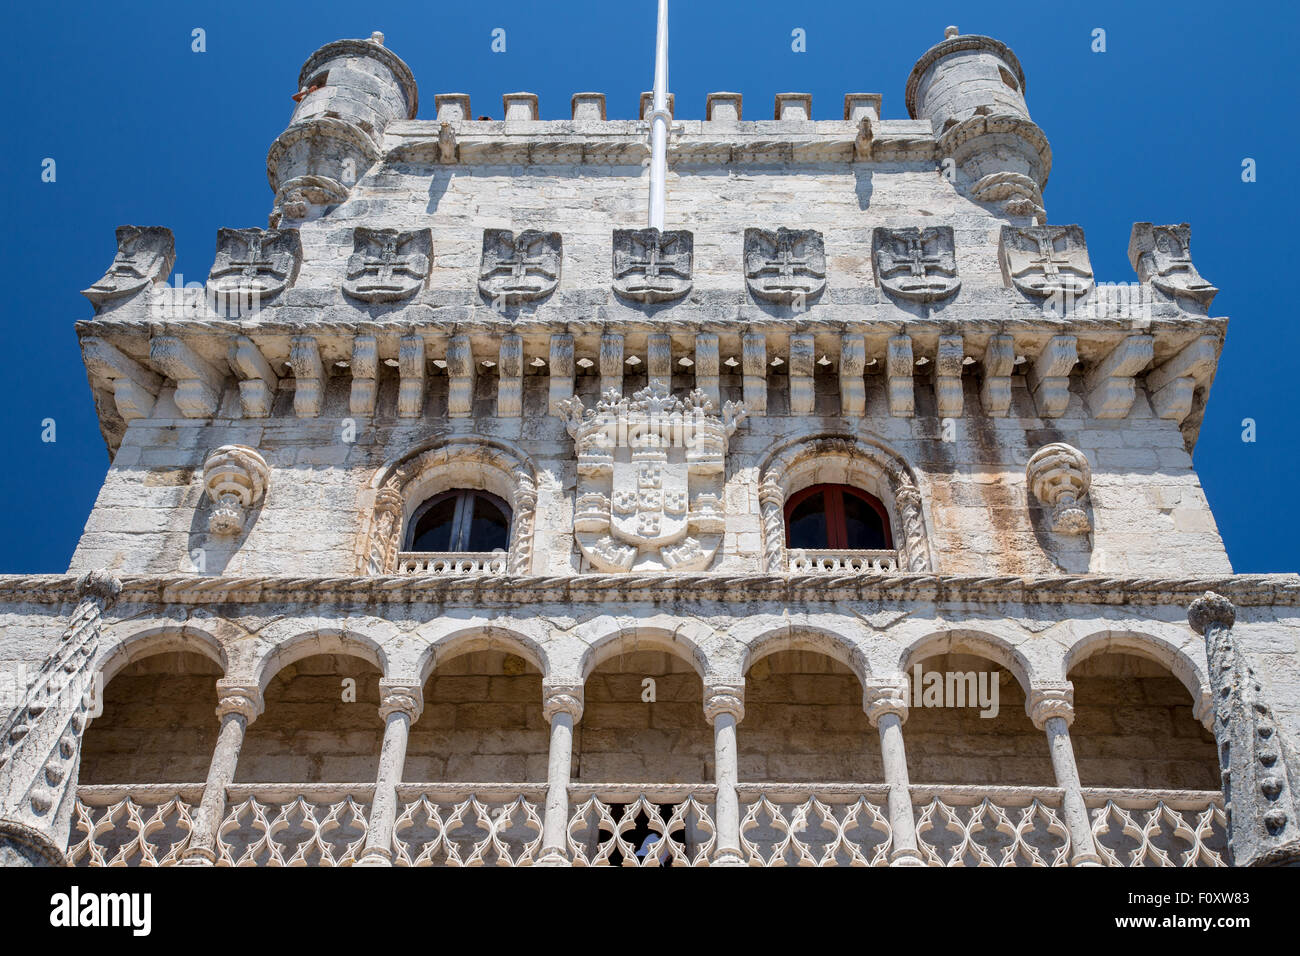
(836, 517)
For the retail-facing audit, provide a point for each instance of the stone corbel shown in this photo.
(198, 384)
(1172, 384)
(1110, 385)
(562, 372)
(659, 358)
(308, 376)
(234, 477)
(947, 376)
(802, 357)
(899, 366)
(853, 366)
(365, 372)
(134, 387)
(1049, 377)
(460, 373)
(999, 362)
(510, 377)
(413, 374)
(754, 369)
(258, 380)
(706, 367)
(611, 363)
(1059, 476)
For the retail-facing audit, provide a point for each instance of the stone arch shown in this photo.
(1190, 671)
(817, 640)
(979, 643)
(687, 641)
(837, 458)
(163, 639)
(404, 483)
(279, 655)
(481, 637)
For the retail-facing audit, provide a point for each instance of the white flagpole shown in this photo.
(659, 118)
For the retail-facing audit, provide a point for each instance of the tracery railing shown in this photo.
(804, 561)
(457, 562)
(497, 824)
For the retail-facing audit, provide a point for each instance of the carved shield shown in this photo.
(1162, 256)
(255, 263)
(520, 268)
(648, 507)
(652, 266)
(145, 255)
(387, 265)
(786, 265)
(1043, 261)
(916, 264)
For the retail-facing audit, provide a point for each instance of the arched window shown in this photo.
(836, 517)
(460, 520)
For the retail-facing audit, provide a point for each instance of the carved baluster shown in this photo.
(1051, 708)
(258, 380)
(510, 381)
(308, 375)
(706, 367)
(853, 366)
(413, 373)
(562, 372)
(999, 362)
(898, 366)
(365, 372)
(754, 369)
(802, 356)
(611, 363)
(198, 384)
(238, 705)
(562, 707)
(724, 707)
(40, 741)
(1049, 377)
(400, 705)
(1110, 385)
(885, 701)
(947, 376)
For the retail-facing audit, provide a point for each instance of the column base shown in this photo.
(23, 846)
(198, 856)
(553, 856)
(375, 856)
(906, 857)
(728, 856)
(1086, 859)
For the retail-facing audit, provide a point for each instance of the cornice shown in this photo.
(1244, 590)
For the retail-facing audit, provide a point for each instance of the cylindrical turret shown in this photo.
(348, 93)
(972, 90)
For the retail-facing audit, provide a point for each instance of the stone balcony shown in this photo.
(499, 824)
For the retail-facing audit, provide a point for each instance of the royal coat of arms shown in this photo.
(652, 266)
(520, 268)
(387, 265)
(916, 264)
(786, 266)
(145, 255)
(254, 265)
(651, 471)
(1162, 256)
(1046, 261)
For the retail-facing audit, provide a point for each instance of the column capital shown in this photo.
(104, 585)
(400, 697)
(562, 698)
(1209, 609)
(724, 696)
(1048, 700)
(239, 697)
(886, 694)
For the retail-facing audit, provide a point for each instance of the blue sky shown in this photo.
(145, 131)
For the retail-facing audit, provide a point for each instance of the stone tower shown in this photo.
(847, 519)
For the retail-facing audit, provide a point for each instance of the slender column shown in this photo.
(724, 707)
(400, 704)
(1051, 708)
(238, 705)
(885, 701)
(40, 740)
(562, 707)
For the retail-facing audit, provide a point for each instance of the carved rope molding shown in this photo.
(381, 540)
(1245, 590)
(914, 550)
